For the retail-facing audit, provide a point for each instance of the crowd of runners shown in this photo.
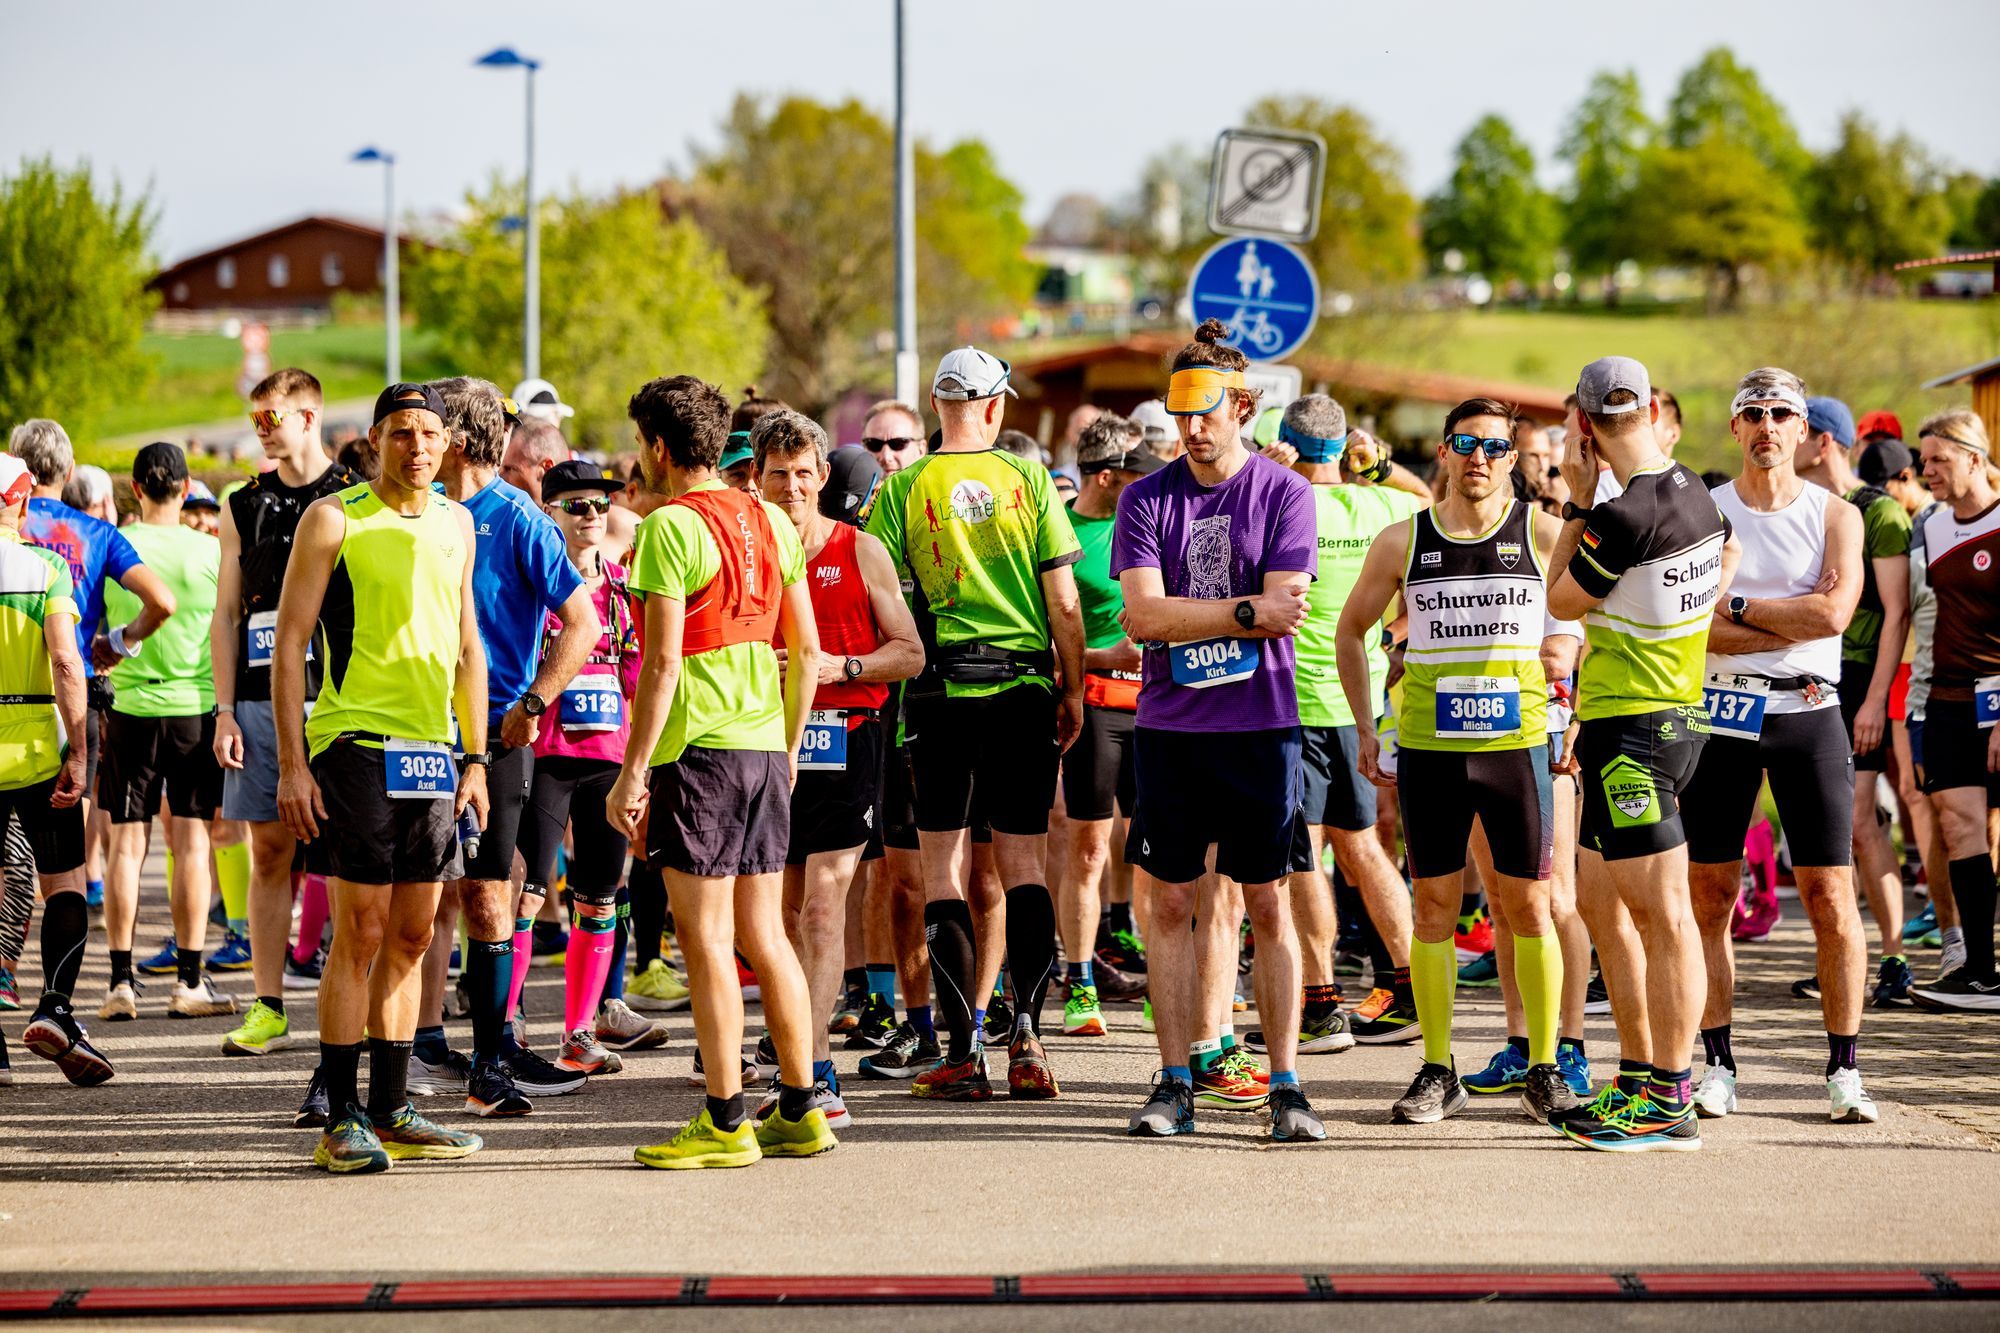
(899, 738)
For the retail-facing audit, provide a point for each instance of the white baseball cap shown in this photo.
(1151, 417)
(968, 373)
(16, 482)
(538, 398)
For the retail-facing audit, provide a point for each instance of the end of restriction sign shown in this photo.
(1266, 182)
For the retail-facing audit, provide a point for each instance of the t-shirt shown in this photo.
(1097, 592)
(1885, 533)
(1348, 518)
(973, 533)
(733, 697)
(96, 552)
(520, 570)
(169, 676)
(1955, 586)
(34, 584)
(1218, 542)
(1654, 554)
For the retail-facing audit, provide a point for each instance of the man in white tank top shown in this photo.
(1772, 694)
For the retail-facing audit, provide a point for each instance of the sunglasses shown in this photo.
(875, 446)
(270, 418)
(593, 504)
(1779, 415)
(1463, 445)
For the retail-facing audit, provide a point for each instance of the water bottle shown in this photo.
(468, 833)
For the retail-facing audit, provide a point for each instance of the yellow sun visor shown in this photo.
(1198, 390)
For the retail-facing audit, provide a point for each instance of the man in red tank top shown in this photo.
(867, 639)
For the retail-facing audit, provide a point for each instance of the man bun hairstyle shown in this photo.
(753, 409)
(1211, 348)
(686, 416)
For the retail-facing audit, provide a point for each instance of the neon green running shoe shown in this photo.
(808, 1136)
(264, 1030)
(407, 1134)
(349, 1146)
(657, 989)
(1146, 1015)
(1081, 1015)
(700, 1144)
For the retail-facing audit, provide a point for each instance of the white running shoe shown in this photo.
(1716, 1096)
(619, 1029)
(201, 1000)
(1851, 1104)
(1952, 958)
(121, 1003)
(824, 1099)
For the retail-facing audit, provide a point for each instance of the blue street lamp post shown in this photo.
(392, 352)
(507, 57)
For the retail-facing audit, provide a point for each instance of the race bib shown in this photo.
(260, 634)
(593, 703)
(1986, 701)
(1201, 663)
(823, 749)
(1473, 707)
(419, 770)
(1735, 705)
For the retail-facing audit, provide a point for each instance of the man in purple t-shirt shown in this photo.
(1214, 553)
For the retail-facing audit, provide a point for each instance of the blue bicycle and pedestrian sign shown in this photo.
(1263, 289)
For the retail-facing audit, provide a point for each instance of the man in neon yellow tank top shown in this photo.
(1472, 736)
(380, 578)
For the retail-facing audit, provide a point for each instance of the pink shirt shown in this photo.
(593, 716)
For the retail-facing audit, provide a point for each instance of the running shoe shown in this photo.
(657, 989)
(1348, 962)
(549, 945)
(1481, 971)
(1473, 936)
(1246, 1064)
(313, 1110)
(1596, 999)
(1081, 1015)
(1507, 1071)
(1951, 956)
(698, 1077)
(306, 975)
(1146, 1016)
(1892, 985)
(1546, 1094)
(121, 1003)
(1227, 1084)
(1959, 991)
(10, 990)
(1434, 1094)
(700, 1144)
(1923, 928)
(825, 1100)
(1122, 950)
(905, 1055)
(54, 1034)
(747, 980)
(93, 895)
(1575, 1066)
(619, 1029)
(350, 1146)
(1373, 1003)
(1114, 982)
(965, 1081)
(1637, 1126)
(407, 1134)
(166, 961)
(233, 956)
(764, 1064)
(1393, 1025)
(848, 1015)
(999, 1024)
(1806, 988)
(1029, 1077)
(1328, 1034)
(1756, 916)
(1609, 1100)
(1292, 1118)
(1239, 1003)
(875, 1028)
(1850, 1103)
(454, 968)
(537, 1077)
(201, 1000)
(263, 1031)
(1168, 1112)
(1715, 1095)
(808, 1136)
(581, 1054)
(447, 1078)
(490, 1091)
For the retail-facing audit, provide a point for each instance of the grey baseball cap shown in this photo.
(1606, 373)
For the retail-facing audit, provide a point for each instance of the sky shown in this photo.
(240, 116)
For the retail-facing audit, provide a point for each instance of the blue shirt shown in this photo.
(94, 550)
(520, 570)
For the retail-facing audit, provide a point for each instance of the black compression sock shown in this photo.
(65, 929)
(1031, 950)
(854, 978)
(121, 965)
(948, 933)
(1973, 888)
(388, 1077)
(1715, 1047)
(1840, 1053)
(275, 1003)
(649, 913)
(340, 1070)
(727, 1112)
(187, 962)
(793, 1102)
(486, 981)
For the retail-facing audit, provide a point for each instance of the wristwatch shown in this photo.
(1573, 510)
(1246, 615)
(1737, 606)
(482, 758)
(851, 668)
(533, 704)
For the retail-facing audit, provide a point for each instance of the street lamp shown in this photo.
(906, 231)
(393, 344)
(507, 57)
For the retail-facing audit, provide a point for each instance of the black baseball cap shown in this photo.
(159, 467)
(1885, 458)
(1141, 460)
(406, 397)
(575, 474)
(852, 475)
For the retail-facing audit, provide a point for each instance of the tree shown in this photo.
(1603, 143)
(74, 262)
(801, 196)
(1975, 210)
(1876, 202)
(626, 295)
(1492, 211)
(1721, 99)
(1368, 218)
(1712, 206)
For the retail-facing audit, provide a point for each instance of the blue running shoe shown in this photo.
(93, 895)
(1640, 1125)
(163, 963)
(1507, 1071)
(1575, 1067)
(1481, 971)
(233, 956)
(1923, 929)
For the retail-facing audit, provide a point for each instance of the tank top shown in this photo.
(1959, 560)
(845, 618)
(740, 604)
(1472, 673)
(266, 515)
(583, 715)
(389, 625)
(1783, 556)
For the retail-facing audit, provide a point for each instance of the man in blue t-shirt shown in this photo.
(520, 573)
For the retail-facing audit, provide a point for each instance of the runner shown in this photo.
(1472, 738)
(380, 578)
(258, 524)
(159, 740)
(1955, 686)
(1643, 571)
(1214, 554)
(1774, 709)
(1871, 653)
(715, 737)
(533, 447)
(41, 775)
(988, 552)
(866, 640)
(894, 434)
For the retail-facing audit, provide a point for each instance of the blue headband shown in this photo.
(1312, 449)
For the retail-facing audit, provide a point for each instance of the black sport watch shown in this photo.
(479, 758)
(533, 704)
(851, 668)
(1573, 510)
(1737, 606)
(1246, 615)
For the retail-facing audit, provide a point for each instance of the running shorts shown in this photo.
(1508, 790)
(570, 791)
(999, 749)
(1854, 681)
(1811, 766)
(147, 757)
(720, 813)
(373, 839)
(834, 809)
(1633, 769)
(251, 792)
(1097, 777)
(56, 835)
(1238, 791)
(1336, 795)
(508, 782)
(1948, 750)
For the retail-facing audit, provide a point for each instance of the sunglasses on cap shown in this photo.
(1199, 390)
(270, 418)
(1463, 445)
(1755, 415)
(875, 446)
(584, 504)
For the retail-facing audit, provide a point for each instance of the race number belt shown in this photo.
(1986, 701)
(260, 634)
(1736, 705)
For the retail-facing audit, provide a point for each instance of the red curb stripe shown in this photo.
(861, 1289)
(541, 1291)
(28, 1302)
(1979, 1279)
(1162, 1286)
(108, 1300)
(1893, 1282)
(1430, 1286)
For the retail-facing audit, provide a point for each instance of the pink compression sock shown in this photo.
(585, 966)
(524, 953)
(312, 916)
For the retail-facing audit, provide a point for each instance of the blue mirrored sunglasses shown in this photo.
(1465, 444)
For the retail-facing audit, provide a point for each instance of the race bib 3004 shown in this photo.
(1473, 707)
(1202, 663)
(418, 770)
(1735, 705)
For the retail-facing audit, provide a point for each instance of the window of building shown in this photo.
(278, 271)
(330, 271)
(225, 273)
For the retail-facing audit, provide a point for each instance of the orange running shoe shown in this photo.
(962, 1082)
(1225, 1083)
(1371, 1008)
(1028, 1072)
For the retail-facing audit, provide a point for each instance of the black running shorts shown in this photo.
(1237, 791)
(373, 839)
(1948, 750)
(1634, 769)
(1811, 766)
(834, 809)
(1854, 680)
(508, 782)
(998, 749)
(1509, 792)
(720, 813)
(1336, 795)
(147, 757)
(1097, 776)
(56, 835)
